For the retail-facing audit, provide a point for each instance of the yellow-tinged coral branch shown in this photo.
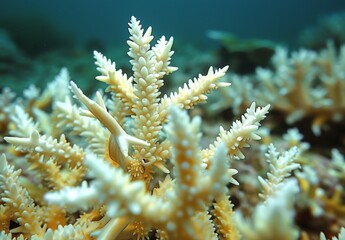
(119, 140)
(194, 92)
(68, 116)
(281, 167)
(193, 189)
(113, 228)
(126, 195)
(240, 133)
(19, 201)
(60, 150)
(224, 219)
(117, 81)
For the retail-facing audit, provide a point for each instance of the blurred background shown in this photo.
(105, 20)
(38, 38)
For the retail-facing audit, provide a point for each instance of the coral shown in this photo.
(237, 97)
(306, 84)
(276, 212)
(274, 218)
(340, 236)
(6, 97)
(281, 167)
(123, 172)
(136, 162)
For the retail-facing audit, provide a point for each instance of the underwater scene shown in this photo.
(172, 120)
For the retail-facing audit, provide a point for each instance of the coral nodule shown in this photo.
(125, 167)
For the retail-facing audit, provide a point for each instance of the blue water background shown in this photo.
(277, 20)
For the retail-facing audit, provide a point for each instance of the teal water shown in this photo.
(107, 20)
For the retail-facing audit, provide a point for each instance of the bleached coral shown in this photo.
(192, 189)
(306, 84)
(129, 164)
(6, 97)
(272, 219)
(303, 84)
(281, 166)
(238, 96)
(341, 235)
(127, 170)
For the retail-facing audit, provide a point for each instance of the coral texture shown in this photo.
(305, 84)
(127, 172)
(135, 162)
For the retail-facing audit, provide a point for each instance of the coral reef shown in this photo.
(132, 163)
(118, 172)
(306, 84)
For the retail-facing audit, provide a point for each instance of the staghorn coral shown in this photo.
(304, 84)
(93, 173)
(341, 235)
(307, 84)
(273, 218)
(130, 165)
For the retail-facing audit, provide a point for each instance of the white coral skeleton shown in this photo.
(128, 178)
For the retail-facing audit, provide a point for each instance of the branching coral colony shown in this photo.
(301, 85)
(134, 170)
